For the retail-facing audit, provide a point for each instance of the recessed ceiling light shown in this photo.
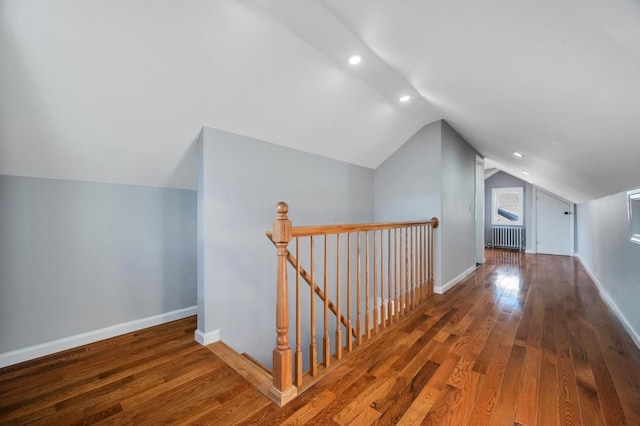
(524, 172)
(517, 154)
(355, 59)
(405, 98)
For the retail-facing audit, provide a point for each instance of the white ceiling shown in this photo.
(117, 90)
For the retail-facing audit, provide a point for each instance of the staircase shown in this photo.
(365, 278)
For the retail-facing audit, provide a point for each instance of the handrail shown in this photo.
(401, 254)
(307, 231)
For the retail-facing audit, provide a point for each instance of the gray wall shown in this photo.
(605, 249)
(433, 174)
(76, 256)
(240, 181)
(408, 184)
(458, 200)
(505, 180)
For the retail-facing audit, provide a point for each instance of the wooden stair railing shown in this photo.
(293, 261)
(408, 258)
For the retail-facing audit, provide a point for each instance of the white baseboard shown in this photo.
(207, 338)
(453, 282)
(48, 348)
(528, 251)
(610, 302)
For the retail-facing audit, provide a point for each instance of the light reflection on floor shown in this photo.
(507, 275)
(504, 257)
(508, 282)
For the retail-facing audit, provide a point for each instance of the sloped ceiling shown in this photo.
(116, 91)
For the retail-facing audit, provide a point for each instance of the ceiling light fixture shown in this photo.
(524, 172)
(405, 98)
(517, 154)
(355, 59)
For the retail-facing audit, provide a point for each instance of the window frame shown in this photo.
(633, 205)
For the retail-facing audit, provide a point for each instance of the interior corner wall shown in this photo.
(407, 186)
(458, 201)
(529, 218)
(609, 256)
(79, 257)
(240, 181)
(201, 232)
(505, 180)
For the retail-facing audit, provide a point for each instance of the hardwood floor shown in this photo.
(526, 340)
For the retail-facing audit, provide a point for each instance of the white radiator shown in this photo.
(508, 237)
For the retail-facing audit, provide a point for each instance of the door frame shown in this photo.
(479, 210)
(534, 221)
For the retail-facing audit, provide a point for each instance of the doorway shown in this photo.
(479, 211)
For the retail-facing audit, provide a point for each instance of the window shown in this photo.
(507, 206)
(633, 200)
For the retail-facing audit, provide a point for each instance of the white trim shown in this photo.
(611, 303)
(633, 209)
(491, 173)
(533, 223)
(448, 286)
(530, 251)
(479, 208)
(207, 338)
(47, 348)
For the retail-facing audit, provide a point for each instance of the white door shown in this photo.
(553, 225)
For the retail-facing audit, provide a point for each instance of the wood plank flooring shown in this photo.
(526, 340)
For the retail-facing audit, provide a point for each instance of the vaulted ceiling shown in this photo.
(117, 90)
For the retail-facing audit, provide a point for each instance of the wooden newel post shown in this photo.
(282, 352)
(436, 222)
